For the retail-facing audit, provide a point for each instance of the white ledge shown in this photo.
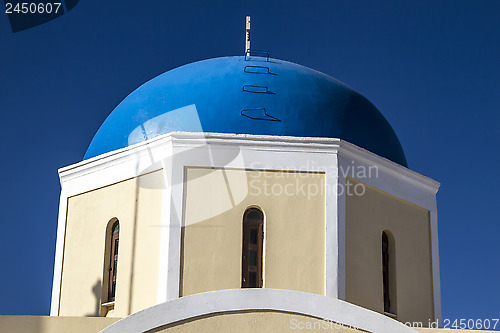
(108, 304)
(249, 141)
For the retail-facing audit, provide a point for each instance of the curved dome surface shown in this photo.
(253, 96)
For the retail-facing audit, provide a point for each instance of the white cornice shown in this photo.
(396, 169)
(158, 147)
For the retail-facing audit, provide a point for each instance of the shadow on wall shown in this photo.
(96, 290)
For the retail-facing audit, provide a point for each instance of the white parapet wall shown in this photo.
(327, 309)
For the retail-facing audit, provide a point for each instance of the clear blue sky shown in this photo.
(431, 67)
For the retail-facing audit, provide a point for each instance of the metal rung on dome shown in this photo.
(257, 53)
(258, 114)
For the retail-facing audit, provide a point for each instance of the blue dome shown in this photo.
(253, 96)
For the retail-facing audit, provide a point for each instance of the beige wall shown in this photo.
(248, 321)
(367, 216)
(439, 330)
(136, 203)
(42, 324)
(268, 321)
(294, 243)
(255, 321)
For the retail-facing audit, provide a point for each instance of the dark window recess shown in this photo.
(113, 262)
(253, 236)
(385, 272)
(252, 283)
(253, 258)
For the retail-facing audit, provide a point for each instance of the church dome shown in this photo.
(257, 95)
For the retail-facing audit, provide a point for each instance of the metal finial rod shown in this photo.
(247, 36)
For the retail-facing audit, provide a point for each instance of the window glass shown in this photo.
(253, 221)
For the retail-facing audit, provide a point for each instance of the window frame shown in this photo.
(249, 246)
(114, 242)
(389, 274)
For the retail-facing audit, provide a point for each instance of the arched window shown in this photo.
(389, 273)
(253, 238)
(113, 240)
